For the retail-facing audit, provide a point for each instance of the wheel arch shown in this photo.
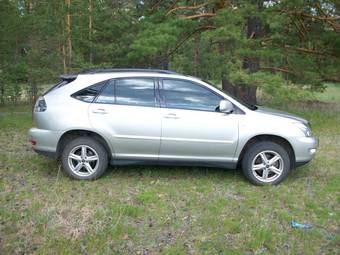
(272, 138)
(74, 133)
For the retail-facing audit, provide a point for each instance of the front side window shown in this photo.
(88, 94)
(182, 94)
(129, 91)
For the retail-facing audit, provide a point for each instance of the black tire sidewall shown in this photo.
(257, 148)
(102, 155)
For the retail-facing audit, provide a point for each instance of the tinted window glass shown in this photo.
(131, 91)
(107, 96)
(88, 94)
(187, 95)
(135, 92)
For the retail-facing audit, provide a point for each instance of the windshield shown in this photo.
(246, 104)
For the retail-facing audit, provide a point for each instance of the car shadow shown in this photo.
(173, 172)
(54, 167)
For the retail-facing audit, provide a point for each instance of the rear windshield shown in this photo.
(58, 85)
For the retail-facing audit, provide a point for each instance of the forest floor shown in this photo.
(169, 210)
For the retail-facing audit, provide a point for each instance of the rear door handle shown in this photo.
(171, 116)
(100, 111)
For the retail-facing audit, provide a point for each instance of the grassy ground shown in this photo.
(167, 210)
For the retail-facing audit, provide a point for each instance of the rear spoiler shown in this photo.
(64, 79)
(68, 77)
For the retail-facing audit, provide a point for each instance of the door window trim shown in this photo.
(161, 98)
(155, 89)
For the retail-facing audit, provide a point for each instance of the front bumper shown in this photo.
(304, 149)
(44, 141)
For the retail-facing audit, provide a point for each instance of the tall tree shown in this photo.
(283, 47)
(90, 29)
(68, 31)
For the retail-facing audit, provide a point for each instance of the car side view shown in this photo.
(146, 116)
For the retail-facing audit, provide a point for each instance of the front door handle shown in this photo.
(171, 116)
(100, 111)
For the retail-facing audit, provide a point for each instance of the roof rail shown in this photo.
(118, 70)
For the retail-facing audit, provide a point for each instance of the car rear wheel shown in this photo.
(266, 163)
(84, 158)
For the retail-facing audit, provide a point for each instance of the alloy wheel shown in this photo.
(267, 166)
(83, 160)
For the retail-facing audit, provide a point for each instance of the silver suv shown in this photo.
(138, 116)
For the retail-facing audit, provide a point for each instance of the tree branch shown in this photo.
(310, 51)
(155, 6)
(331, 20)
(180, 43)
(301, 33)
(331, 79)
(283, 70)
(317, 17)
(194, 7)
(201, 15)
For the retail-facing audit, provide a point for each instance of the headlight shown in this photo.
(304, 128)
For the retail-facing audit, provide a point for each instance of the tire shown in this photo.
(266, 163)
(88, 152)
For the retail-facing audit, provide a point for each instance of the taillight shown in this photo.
(40, 105)
(33, 142)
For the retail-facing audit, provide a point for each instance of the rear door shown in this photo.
(192, 127)
(128, 113)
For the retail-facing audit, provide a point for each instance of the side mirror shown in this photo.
(226, 106)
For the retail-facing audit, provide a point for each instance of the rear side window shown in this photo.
(129, 91)
(107, 96)
(90, 93)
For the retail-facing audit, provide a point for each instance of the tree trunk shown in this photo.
(30, 79)
(68, 32)
(252, 64)
(63, 51)
(197, 39)
(90, 29)
(244, 92)
(2, 89)
(165, 64)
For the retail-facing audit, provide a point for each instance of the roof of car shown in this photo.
(133, 70)
(110, 73)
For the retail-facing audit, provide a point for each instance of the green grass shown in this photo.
(331, 94)
(167, 210)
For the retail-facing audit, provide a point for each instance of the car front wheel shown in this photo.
(266, 163)
(84, 158)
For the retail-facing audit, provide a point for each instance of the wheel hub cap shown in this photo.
(83, 160)
(267, 166)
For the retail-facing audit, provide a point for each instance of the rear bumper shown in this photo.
(305, 149)
(44, 141)
(49, 154)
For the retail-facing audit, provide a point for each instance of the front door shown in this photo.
(192, 127)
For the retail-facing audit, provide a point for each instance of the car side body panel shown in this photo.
(163, 135)
(198, 135)
(133, 131)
